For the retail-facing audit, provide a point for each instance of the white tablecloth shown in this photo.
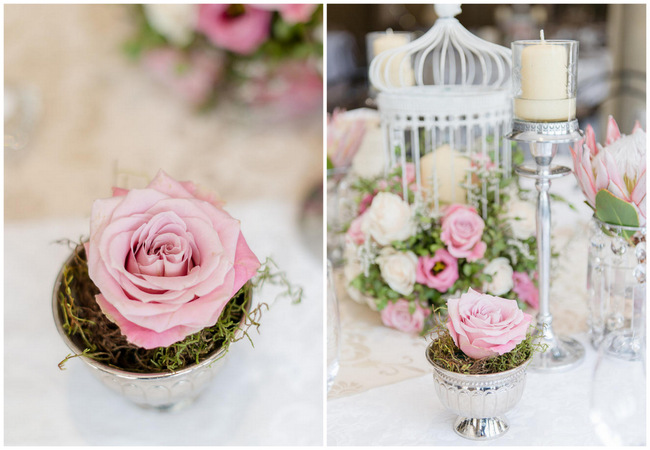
(554, 410)
(271, 394)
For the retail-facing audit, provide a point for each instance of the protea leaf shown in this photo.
(616, 211)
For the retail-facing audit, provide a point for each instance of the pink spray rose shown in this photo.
(439, 272)
(462, 229)
(355, 232)
(483, 326)
(239, 28)
(396, 315)
(190, 77)
(166, 262)
(525, 289)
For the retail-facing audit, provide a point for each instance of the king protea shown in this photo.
(618, 167)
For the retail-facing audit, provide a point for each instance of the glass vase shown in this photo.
(616, 287)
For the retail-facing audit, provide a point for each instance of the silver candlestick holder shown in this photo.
(543, 139)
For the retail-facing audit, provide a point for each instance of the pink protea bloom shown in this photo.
(439, 272)
(238, 28)
(525, 289)
(619, 166)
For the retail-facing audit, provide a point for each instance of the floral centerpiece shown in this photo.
(482, 353)
(258, 54)
(163, 284)
(405, 261)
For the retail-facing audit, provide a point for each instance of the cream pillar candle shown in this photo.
(544, 83)
(450, 168)
(389, 41)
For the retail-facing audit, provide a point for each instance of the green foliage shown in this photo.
(615, 211)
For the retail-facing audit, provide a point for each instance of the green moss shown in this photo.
(102, 340)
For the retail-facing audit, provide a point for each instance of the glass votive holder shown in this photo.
(380, 41)
(544, 75)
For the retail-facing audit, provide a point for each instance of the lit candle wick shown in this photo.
(541, 34)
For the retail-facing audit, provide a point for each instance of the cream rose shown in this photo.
(398, 269)
(175, 22)
(501, 272)
(388, 219)
(521, 217)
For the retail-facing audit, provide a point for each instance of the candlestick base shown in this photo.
(563, 353)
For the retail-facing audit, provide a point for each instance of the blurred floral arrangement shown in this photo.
(254, 54)
(345, 133)
(612, 176)
(405, 261)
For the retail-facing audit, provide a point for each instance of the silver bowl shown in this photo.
(164, 391)
(479, 400)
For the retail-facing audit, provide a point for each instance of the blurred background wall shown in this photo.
(612, 61)
(88, 118)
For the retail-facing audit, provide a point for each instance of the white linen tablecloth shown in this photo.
(554, 410)
(271, 394)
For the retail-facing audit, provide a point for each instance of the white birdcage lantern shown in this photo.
(445, 106)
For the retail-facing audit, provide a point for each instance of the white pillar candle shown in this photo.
(389, 41)
(450, 168)
(544, 77)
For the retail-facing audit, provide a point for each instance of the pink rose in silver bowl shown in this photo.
(483, 326)
(439, 272)
(462, 230)
(397, 315)
(165, 261)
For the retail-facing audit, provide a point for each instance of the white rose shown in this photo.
(175, 22)
(521, 218)
(501, 272)
(398, 269)
(388, 219)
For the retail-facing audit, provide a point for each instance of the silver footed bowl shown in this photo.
(164, 391)
(480, 401)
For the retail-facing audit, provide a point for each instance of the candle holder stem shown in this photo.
(543, 138)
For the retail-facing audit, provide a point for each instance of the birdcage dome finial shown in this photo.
(447, 54)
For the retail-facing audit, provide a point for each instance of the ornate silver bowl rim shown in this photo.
(119, 372)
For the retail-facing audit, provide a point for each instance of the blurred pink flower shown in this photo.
(439, 272)
(239, 28)
(294, 88)
(396, 315)
(525, 289)
(618, 167)
(297, 13)
(355, 232)
(191, 77)
(344, 137)
(462, 230)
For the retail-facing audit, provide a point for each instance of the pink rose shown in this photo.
(195, 82)
(366, 201)
(483, 326)
(396, 315)
(239, 28)
(525, 289)
(355, 233)
(166, 263)
(439, 272)
(462, 229)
